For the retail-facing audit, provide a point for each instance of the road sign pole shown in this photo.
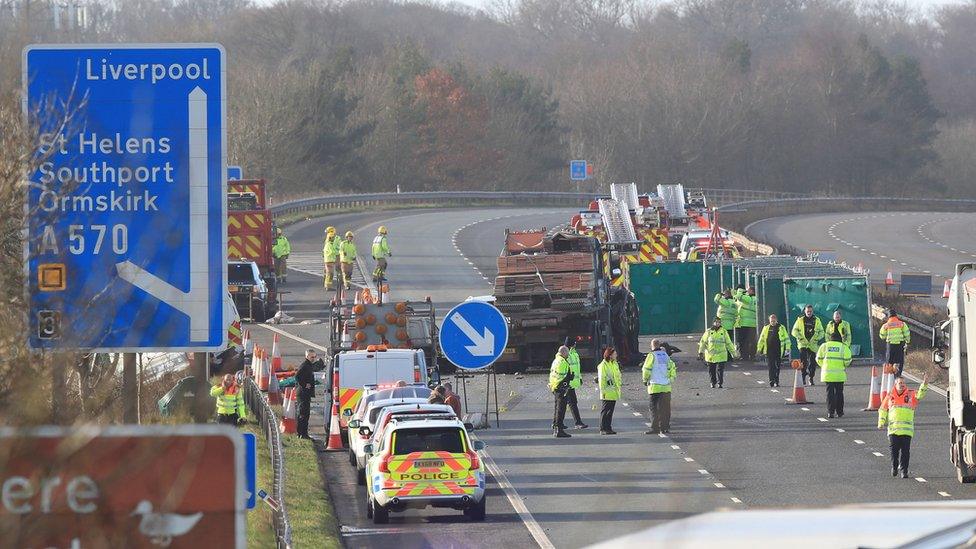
(130, 391)
(58, 392)
(201, 406)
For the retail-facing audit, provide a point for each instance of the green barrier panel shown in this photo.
(669, 296)
(773, 302)
(717, 277)
(851, 295)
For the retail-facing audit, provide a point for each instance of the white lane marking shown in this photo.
(719, 485)
(703, 471)
(662, 435)
(879, 454)
(638, 413)
(736, 500)
(747, 373)
(840, 430)
(689, 460)
(945, 494)
(538, 534)
(805, 409)
(675, 447)
(774, 390)
(821, 419)
(920, 479)
(624, 404)
(305, 342)
(649, 424)
(759, 381)
(857, 441)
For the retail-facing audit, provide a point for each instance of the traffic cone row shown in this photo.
(261, 373)
(799, 393)
(247, 343)
(288, 425)
(275, 356)
(874, 398)
(274, 390)
(335, 436)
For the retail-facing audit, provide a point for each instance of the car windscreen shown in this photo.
(403, 392)
(428, 439)
(240, 274)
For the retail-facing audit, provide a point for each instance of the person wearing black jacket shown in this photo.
(305, 382)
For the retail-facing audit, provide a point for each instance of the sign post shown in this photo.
(127, 240)
(474, 334)
(123, 486)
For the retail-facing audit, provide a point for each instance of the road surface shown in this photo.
(739, 447)
(900, 242)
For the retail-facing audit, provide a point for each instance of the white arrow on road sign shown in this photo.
(194, 303)
(484, 345)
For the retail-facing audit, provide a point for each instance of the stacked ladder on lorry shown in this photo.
(674, 200)
(626, 193)
(616, 221)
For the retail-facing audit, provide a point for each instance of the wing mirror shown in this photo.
(479, 445)
(939, 358)
(468, 425)
(355, 423)
(368, 449)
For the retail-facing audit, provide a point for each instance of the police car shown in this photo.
(424, 461)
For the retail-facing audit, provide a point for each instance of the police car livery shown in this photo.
(422, 461)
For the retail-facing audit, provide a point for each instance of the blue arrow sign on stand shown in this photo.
(251, 468)
(234, 173)
(127, 208)
(474, 334)
(577, 170)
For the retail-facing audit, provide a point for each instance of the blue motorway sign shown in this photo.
(577, 170)
(234, 173)
(127, 205)
(251, 468)
(473, 335)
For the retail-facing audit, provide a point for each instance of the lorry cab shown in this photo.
(377, 365)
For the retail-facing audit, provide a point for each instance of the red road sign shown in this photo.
(123, 486)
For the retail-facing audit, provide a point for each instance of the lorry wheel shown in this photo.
(381, 515)
(962, 474)
(369, 505)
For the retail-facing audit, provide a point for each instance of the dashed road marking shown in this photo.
(840, 430)
(675, 447)
(719, 485)
(805, 409)
(636, 414)
(821, 419)
(689, 460)
(736, 500)
(920, 479)
(856, 441)
(945, 494)
(703, 471)
(879, 454)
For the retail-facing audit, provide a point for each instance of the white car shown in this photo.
(421, 461)
(386, 415)
(370, 393)
(358, 429)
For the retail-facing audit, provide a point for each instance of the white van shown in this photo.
(377, 365)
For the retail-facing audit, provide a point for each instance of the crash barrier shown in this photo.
(269, 426)
(678, 297)
(915, 326)
(465, 198)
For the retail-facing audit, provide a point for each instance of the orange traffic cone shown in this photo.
(263, 375)
(335, 436)
(887, 380)
(274, 390)
(945, 289)
(874, 399)
(889, 279)
(799, 394)
(288, 424)
(254, 367)
(275, 356)
(247, 343)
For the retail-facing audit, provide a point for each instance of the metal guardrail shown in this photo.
(868, 201)
(269, 424)
(464, 198)
(920, 328)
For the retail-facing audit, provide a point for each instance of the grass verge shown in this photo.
(260, 528)
(313, 518)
